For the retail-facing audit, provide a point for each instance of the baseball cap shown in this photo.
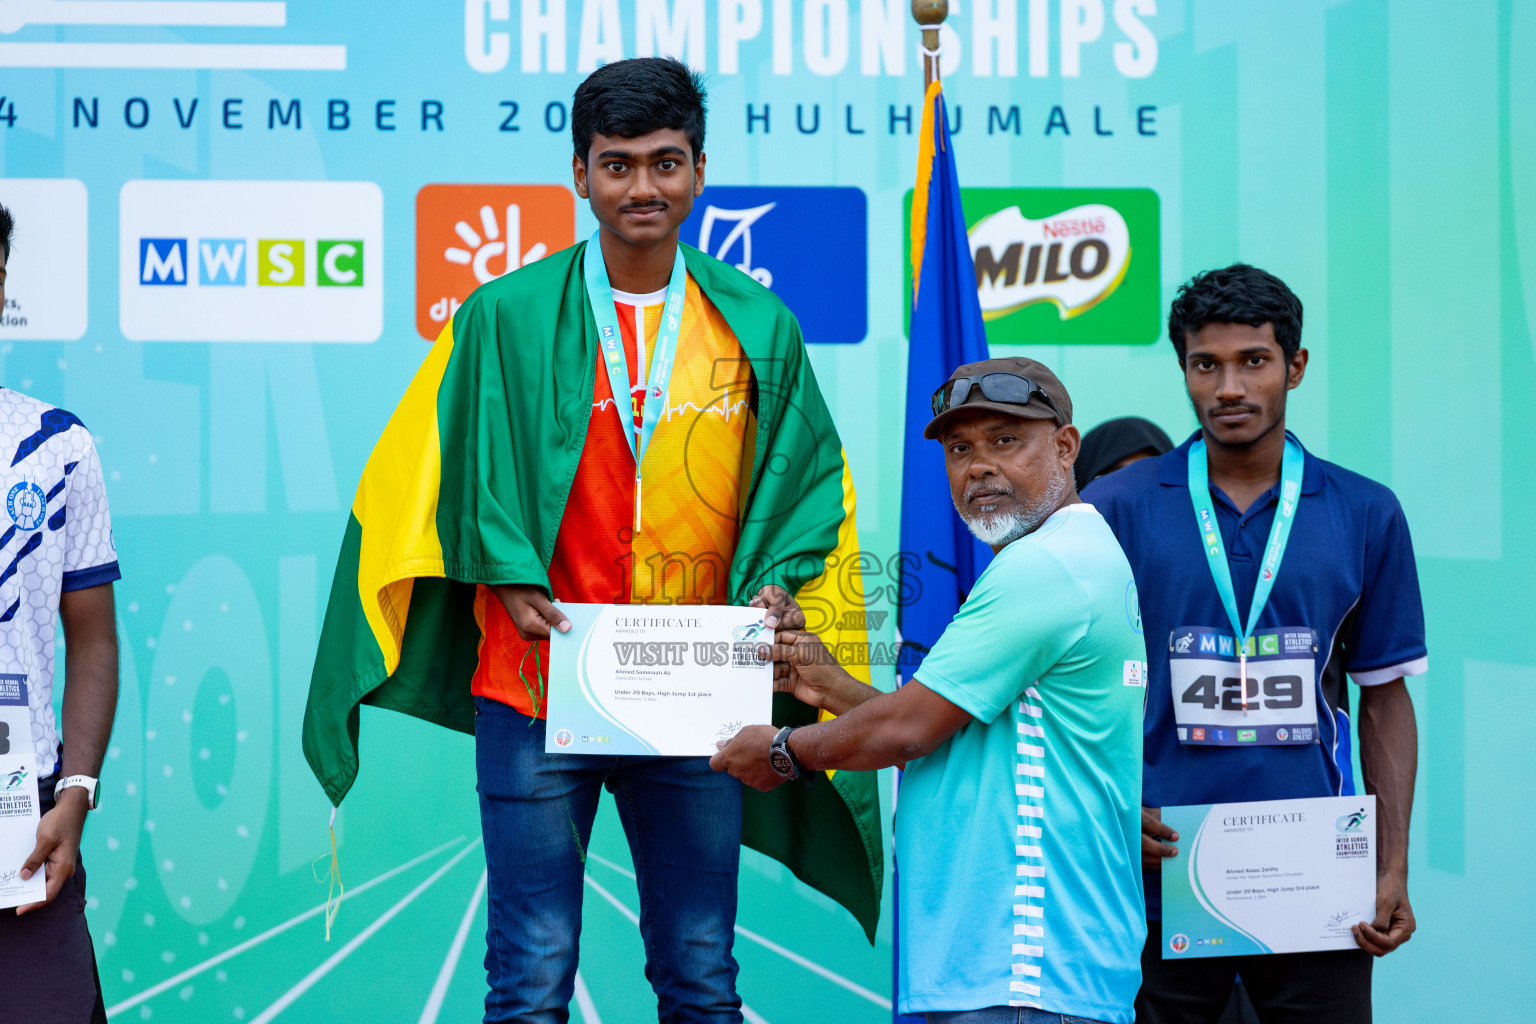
(1034, 409)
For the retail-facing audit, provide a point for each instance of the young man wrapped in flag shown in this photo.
(625, 421)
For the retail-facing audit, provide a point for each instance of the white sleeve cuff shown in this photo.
(1377, 676)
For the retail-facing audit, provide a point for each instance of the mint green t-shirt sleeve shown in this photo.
(1023, 616)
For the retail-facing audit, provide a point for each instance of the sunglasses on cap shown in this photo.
(1010, 388)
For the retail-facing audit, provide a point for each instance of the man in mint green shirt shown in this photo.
(1018, 830)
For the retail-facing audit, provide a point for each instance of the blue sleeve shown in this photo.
(1023, 616)
(1101, 495)
(1387, 638)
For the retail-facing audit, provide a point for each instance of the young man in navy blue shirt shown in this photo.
(1346, 573)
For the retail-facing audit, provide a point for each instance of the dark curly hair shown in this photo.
(1238, 294)
(635, 97)
(7, 228)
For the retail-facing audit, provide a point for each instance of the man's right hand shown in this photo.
(1153, 831)
(531, 612)
(804, 667)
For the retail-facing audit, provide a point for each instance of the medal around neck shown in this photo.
(600, 296)
(1244, 686)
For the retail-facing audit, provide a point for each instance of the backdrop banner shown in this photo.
(240, 220)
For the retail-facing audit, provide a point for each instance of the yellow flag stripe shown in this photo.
(839, 591)
(396, 505)
(925, 154)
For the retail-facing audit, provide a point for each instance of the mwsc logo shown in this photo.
(222, 262)
(251, 261)
(1057, 266)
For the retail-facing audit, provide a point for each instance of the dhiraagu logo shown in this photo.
(1065, 266)
(251, 261)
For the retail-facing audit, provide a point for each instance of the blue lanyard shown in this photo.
(1291, 466)
(600, 294)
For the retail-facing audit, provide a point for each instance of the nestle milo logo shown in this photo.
(1066, 266)
(1074, 260)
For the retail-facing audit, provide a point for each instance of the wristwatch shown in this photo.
(781, 758)
(85, 782)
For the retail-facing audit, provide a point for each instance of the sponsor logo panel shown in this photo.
(1064, 266)
(765, 231)
(469, 235)
(251, 261)
(45, 286)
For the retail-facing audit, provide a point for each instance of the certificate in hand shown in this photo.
(1271, 876)
(19, 810)
(670, 680)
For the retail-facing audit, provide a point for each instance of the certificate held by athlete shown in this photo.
(19, 807)
(670, 680)
(1270, 876)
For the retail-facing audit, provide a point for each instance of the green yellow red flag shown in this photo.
(468, 484)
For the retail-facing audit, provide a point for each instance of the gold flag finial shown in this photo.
(930, 14)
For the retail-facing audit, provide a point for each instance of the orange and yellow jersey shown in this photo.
(694, 477)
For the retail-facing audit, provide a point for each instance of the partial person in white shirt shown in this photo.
(57, 563)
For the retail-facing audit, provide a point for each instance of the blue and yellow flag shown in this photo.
(940, 558)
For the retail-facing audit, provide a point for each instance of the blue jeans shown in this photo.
(683, 822)
(1006, 1015)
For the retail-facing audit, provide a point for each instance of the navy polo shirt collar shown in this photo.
(1175, 468)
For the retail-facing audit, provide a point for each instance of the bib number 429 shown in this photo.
(1280, 693)
(1213, 704)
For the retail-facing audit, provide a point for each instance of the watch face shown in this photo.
(781, 762)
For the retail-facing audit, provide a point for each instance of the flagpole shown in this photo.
(930, 14)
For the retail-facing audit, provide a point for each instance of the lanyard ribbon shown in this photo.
(600, 294)
(1291, 466)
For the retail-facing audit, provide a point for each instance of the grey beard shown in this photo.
(999, 529)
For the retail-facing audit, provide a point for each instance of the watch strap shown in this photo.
(780, 745)
(85, 782)
(790, 753)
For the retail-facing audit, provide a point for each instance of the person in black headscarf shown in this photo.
(1116, 444)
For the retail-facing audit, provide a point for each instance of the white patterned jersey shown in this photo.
(55, 536)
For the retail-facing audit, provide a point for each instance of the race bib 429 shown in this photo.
(1275, 705)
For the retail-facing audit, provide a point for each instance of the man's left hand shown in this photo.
(58, 845)
(1394, 924)
(746, 757)
(782, 611)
